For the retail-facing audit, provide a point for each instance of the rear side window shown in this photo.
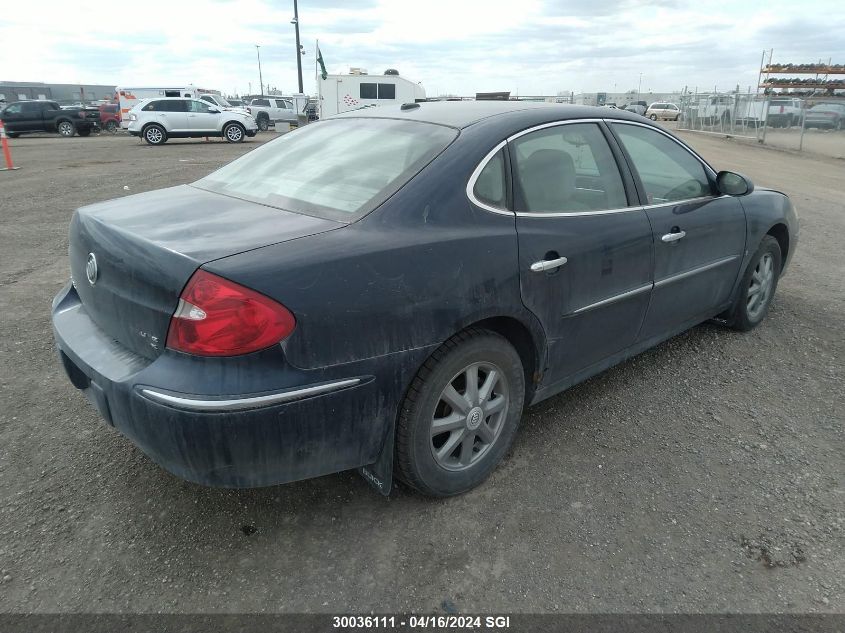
(338, 169)
(175, 105)
(152, 106)
(490, 186)
(566, 168)
(668, 171)
(31, 107)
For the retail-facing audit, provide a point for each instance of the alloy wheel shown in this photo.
(760, 288)
(234, 133)
(154, 135)
(469, 416)
(65, 128)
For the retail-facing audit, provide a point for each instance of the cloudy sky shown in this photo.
(451, 46)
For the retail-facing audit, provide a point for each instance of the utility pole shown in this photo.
(298, 47)
(260, 76)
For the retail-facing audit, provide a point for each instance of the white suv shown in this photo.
(156, 120)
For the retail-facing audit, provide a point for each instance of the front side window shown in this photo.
(566, 168)
(338, 169)
(199, 107)
(490, 185)
(668, 171)
(207, 98)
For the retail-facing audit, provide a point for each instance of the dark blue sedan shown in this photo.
(389, 288)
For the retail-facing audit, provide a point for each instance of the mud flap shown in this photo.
(379, 474)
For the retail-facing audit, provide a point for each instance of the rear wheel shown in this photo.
(234, 132)
(155, 134)
(111, 127)
(460, 414)
(66, 129)
(653, 117)
(263, 123)
(758, 287)
(86, 132)
(12, 134)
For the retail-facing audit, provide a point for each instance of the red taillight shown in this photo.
(217, 317)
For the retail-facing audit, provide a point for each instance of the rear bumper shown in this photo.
(243, 422)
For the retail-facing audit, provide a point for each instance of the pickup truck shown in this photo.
(785, 112)
(268, 111)
(23, 117)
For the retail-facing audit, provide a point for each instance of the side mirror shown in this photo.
(213, 110)
(733, 184)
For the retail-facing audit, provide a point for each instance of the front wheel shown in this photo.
(234, 132)
(111, 127)
(653, 117)
(758, 287)
(66, 129)
(460, 414)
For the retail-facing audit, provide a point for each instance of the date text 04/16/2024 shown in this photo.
(472, 622)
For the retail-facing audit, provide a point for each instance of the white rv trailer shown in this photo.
(341, 93)
(129, 97)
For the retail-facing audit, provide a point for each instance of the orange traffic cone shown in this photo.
(6, 153)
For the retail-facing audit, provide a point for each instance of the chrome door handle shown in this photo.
(548, 264)
(673, 237)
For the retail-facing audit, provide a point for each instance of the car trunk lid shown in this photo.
(130, 258)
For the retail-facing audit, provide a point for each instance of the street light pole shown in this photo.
(639, 87)
(260, 76)
(298, 47)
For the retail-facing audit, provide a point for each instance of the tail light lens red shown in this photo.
(217, 317)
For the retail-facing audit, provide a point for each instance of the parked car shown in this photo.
(826, 115)
(785, 112)
(663, 111)
(110, 117)
(271, 110)
(638, 107)
(156, 120)
(220, 102)
(394, 285)
(23, 117)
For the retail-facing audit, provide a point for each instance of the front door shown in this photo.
(585, 245)
(699, 236)
(200, 116)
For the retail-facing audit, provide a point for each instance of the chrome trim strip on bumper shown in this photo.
(614, 298)
(239, 404)
(694, 271)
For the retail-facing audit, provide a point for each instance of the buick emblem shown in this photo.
(91, 271)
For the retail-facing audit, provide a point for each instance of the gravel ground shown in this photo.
(706, 475)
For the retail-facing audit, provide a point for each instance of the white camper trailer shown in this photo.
(129, 97)
(341, 93)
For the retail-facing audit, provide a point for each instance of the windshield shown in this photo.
(340, 169)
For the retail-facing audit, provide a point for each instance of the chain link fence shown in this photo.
(776, 120)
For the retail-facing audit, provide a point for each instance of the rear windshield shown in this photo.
(337, 169)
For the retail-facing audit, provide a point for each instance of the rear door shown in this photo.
(585, 245)
(174, 114)
(699, 235)
(13, 118)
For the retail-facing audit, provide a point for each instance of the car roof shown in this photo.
(461, 114)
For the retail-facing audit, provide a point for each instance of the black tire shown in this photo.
(739, 317)
(234, 132)
(12, 134)
(111, 127)
(416, 464)
(154, 134)
(263, 122)
(86, 132)
(653, 117)
(65, 128)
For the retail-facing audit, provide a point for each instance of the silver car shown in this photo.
(157, 120)
(663, 111)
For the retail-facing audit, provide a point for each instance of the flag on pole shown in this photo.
(323, 72)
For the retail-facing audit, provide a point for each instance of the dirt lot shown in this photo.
(705, 475)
